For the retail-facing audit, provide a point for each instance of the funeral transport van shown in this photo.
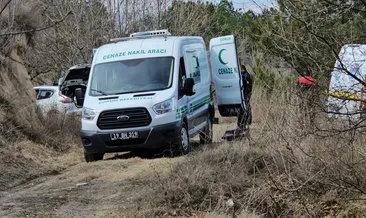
(152, 90)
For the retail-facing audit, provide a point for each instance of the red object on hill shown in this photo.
(306, 80)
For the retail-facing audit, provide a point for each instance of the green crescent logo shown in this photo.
(220, 58)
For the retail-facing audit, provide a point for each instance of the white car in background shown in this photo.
(50, 100)
(62, 98)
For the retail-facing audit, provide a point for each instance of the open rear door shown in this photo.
(226, 75)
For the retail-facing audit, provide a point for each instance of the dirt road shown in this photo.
(87, 189)
(108, 188)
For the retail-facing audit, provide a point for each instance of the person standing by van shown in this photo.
(306, 81)
(307, 92)
(245, 117)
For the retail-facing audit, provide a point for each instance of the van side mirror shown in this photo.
(80, 95)
(189, 87)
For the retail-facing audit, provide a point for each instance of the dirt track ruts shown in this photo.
(104, 188)
(108, 188)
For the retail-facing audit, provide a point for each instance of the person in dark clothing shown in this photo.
(245, 117)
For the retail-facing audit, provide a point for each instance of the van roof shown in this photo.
(353, 53)
(141, 47)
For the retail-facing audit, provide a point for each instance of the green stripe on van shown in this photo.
(199, 103)
(181, 111)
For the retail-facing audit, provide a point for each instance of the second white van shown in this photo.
(346, 89)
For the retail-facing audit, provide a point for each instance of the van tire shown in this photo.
(92, 157)
(182, 145)
(207, 134)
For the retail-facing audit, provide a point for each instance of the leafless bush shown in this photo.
(62, 130)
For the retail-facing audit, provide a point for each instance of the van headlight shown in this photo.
(88, 114)
(164, 107)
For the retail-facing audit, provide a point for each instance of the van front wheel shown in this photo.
(91, 157)
(183, 145)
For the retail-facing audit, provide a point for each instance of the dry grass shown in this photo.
(29, 146)
(284, 169)
(61, 130)
(43, 151)
(26, 160)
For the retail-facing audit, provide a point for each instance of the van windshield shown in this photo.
(130, 76)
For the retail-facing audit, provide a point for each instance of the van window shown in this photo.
(182, 77)
(193, 63)
(131, 76)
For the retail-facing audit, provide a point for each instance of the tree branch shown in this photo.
(4, 6)
(38, 29)
(333, 50)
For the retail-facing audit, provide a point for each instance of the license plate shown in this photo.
(124, 135)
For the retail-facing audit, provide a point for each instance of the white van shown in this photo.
(153, 90)
(346, 89)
